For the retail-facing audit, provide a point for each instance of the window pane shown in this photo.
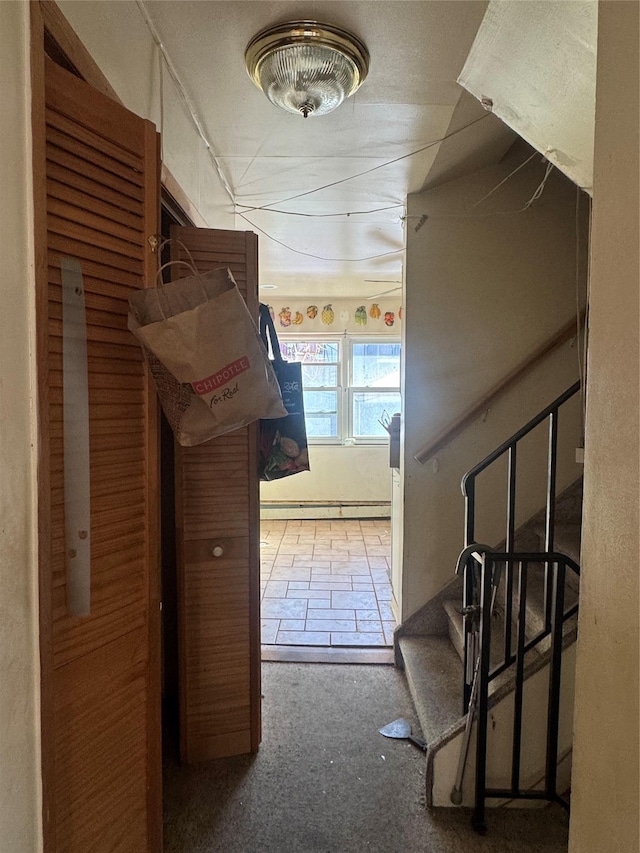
(376, 365)
(321, 413)
(311, 352)
(368, 408)
(319, 375)
(321, 426)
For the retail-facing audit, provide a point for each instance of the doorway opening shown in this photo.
(325, 583)
(325, 544)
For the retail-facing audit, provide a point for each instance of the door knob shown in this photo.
(217, 550)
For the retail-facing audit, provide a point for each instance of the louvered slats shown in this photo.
(217, 504)
(101, 190)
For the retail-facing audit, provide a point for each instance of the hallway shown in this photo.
(325, 781)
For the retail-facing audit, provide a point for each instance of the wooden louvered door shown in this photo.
(100, 672)
(218, 552)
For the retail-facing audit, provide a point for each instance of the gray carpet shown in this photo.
(325, 781)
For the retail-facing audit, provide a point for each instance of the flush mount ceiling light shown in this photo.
(306, 67)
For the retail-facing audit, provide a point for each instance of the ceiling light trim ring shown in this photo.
(294, 34)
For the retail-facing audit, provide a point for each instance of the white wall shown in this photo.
(604, 800)
(486, 286)
(338, 473)
(117, 37)
(20, 793)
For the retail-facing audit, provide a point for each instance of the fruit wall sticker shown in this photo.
(327, 315)
(389, 318)
(375, 312)
(285, 317)
(400, 313)
(312, 311)
(361, 315)
(297, 320)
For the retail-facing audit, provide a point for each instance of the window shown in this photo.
(350, 384)
(321, 383)
(374, 387)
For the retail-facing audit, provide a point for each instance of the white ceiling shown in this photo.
(409, 100)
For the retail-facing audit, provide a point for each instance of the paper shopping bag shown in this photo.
(205, 354)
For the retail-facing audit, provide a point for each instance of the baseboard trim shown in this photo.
(325, 510)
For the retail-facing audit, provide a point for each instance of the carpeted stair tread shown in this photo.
(456, 635)
(434, 676)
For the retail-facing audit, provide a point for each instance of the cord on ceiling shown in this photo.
(369, 171)
(317, 257)
(324, 215)
(503, 181)
(536, 195)
(540, 188)
(183, 94)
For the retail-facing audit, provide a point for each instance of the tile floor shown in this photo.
(326, 583)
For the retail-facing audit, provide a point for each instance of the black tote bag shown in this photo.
(283, 446)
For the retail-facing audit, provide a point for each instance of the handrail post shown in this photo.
(509, 548)
(468, 596)
(486, 573)
(555, 672)
(550, 515)
(519, 686)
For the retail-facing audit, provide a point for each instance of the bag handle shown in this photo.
(190, 264)
(268, 329)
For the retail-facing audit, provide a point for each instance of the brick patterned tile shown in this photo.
(311, 563)
(370, 625)
(330, 625)
(383, 592)
(378, 550)
(276, 589)
(284, 608)
(377, 562)
(350, 567)
(303, 638)
(353, 600)
(354, 639)
(329, 613)
(367, 615)
(385, 611)
(314, 564)
(269, 630)
(319, 573)
(309, 593)
(379, 576)
(332, 584)
(292, 624)
(290, 573)
(300, 550)
(389, 628)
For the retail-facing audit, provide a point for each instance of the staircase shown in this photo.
(524, 666)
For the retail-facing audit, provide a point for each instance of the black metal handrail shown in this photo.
(551, 412)
(488, 564)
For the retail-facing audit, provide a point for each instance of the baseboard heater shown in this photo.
(325, 509)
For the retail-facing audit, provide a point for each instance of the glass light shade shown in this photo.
(307, 68)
